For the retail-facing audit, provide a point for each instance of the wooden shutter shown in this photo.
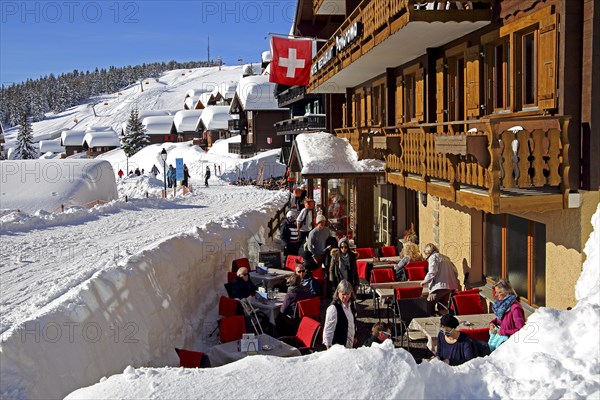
(439, 90)
(547, 61)
(369, 107)
(399, 101)
(354, 110)
(420, 94)
(472, 82)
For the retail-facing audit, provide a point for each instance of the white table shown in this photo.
(271, 308)
(273, 278)
(430, 326)
(226, 353)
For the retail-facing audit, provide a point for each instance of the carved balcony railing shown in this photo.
(243, 149)
(494, 164)
(296, 125)
(377, 20)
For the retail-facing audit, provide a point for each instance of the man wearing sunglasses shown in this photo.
(379, 333)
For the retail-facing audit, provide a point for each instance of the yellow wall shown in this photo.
(566, 234)
(453, 231)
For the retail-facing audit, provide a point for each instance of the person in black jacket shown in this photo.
(454, 347)
(290, 236)
(206, 176)
(242, 286)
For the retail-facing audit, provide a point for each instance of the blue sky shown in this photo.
(42, 37)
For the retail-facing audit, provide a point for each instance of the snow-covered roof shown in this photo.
(72, 137)
(256, 93)
(322, 153)
(102, 139)
(267, 70)
(204, 97)
(158, 125)
(266, 56)
(191, 102)
(216, 117)
(153, 113)
(196, 92)
(52, 146)
(95, 128)
(187, 120)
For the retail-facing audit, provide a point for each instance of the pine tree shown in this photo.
(134, 138)
(25, 149)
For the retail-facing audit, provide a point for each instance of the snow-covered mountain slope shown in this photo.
(168, 93)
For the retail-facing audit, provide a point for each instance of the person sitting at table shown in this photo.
(379, 333)
(510, 316)
(242, 286)
(307, 280)
(340, 318)
(343, 265)
(411, 253)
(453, 347)
(286, 322)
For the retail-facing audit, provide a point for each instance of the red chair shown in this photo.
(231, 276)
(381, 275)
(191, 359)
(388, 251)
(410, 292)
(415, 273)
(482, 334)
(306, 336)
(309, 308)
(467, 304)
(231, 328)
(363, 268)
(468, 291)
(410, 304)
(229, 307)
(292, 261)
(239, 263)
(365, 252)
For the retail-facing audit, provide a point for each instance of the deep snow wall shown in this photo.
(131, 313)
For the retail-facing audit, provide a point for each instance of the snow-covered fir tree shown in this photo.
(25, 149)
(134, 138)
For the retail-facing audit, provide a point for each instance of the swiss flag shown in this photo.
(290, 61)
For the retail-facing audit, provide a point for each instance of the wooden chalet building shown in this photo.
(484, 112)
(258, 111)
(160, 129)
(185, 123)
(72, 141)
(213, 125)
(99, 140)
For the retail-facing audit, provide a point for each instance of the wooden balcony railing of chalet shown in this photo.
(496, 165)
(382, 18)
(243, 149)
(294, 126)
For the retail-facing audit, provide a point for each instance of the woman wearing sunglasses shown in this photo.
(454, 347)
(343, 265)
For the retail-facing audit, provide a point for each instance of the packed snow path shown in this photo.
(44, 258)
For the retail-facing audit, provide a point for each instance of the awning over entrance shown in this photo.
(322, 154)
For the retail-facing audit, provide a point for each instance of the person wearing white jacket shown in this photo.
(442, 279)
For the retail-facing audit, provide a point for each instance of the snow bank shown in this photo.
(556, 355)
(134, 313)
(31, 185)
(322, 152)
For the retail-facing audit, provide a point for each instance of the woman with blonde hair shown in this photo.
(510, 316)
(411, 253)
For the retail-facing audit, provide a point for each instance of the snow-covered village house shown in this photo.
(192, 99)
(486, 126)
(98, 140)
(185, 123)
(213, 125)
(72, 141)
(51, 147)
(160, 129)
(258, 111)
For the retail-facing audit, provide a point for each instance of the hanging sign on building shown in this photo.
(342, 41)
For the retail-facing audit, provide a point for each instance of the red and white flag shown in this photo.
(290, 61)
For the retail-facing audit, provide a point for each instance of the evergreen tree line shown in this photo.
(55, 94)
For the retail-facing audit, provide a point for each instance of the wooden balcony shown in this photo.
(302, 124)
(245, 150)
(380, 34)
(496, 165)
